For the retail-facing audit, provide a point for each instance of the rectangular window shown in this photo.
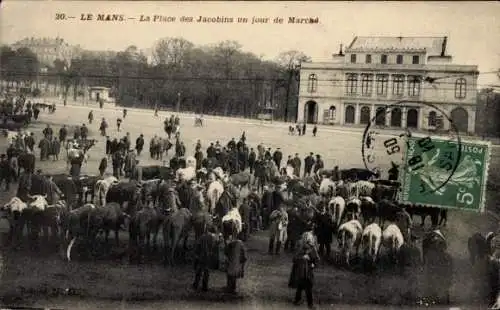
(351, 83)
(416, 60)
(312, 84)
(383, 59)
(382, 82)
(353, 58)
(366, 84)
(398, 85)
(460, 88)
(368, 59)
(399, 59)
(414, 85)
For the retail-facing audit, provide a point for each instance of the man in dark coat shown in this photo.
(55, 148)
(319, 163)
(277, 157)
(63, 133)
(211, 151)
(267, 205)
(47, 132)
(252, 158)
(205, 253)
(117, 164)
(44, 146)
(198, 155)
(139, 144)
(324, 231)
(302, 277)
(308, 164)
(244, 210)
(84, 132)
(5, 171)
(236, 259)
(296, 165)
(30, 142)
(267, 154)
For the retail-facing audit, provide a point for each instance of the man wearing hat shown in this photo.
(308, 164)
(277, 157)
(5, 171)
(205, 257)
(304, 262)
(296, 165)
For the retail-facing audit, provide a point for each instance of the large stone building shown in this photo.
(49, 49)
(374, 72)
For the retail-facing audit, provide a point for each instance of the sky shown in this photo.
(472, 27)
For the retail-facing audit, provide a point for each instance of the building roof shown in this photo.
(432, 45)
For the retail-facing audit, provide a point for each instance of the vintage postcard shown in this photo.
(257, 155)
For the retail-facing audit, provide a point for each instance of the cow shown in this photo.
(369, 209)
(353, 208)
(33, 214)
(214, 192)
(336, 207)
(438, 267)
(150, 191)
(143, 224)
(175, 230)
(370, 241)
(185, 174)
(15, 208)
(101, 189)
(233, 216)
(327, 188)
(241, 179)
(349, 239)
(478, 248)
(423, 212)
(392, 240)
(124, 192)
(358, 174)
(26, 161)
(88, 221)
(85, 185)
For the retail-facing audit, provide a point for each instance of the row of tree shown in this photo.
(217, 79)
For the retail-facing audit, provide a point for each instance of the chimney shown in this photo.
(340, 51)
(443, 47)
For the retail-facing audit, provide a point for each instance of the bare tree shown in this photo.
(171, 51)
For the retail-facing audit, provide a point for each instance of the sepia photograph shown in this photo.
(249, 155)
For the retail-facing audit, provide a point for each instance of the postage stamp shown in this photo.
(429, 180)
(387, 151)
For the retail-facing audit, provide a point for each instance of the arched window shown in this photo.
(312, 83)
(432, 119)
(460, 88)
(365, 115)
(350, 113)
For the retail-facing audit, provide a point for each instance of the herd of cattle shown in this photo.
(91, 204)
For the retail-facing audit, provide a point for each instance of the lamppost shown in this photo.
(178, 107)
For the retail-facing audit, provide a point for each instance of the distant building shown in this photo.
(98, 92)
(374, 72)
(48, 49)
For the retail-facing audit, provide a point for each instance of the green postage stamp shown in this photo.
(446, 173)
